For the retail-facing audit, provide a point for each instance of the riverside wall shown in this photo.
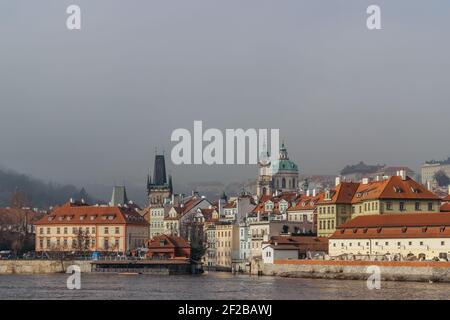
(357, 270)
(40, 266)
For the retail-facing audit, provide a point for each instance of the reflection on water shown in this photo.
(209, 286)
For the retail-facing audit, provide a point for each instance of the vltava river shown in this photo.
(209, 286)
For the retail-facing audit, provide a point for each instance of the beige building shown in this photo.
(429, 169)
(227, 244)
(77, 226)
(415, 235)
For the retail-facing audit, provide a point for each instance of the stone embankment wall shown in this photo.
(40, 266)
(357, 270)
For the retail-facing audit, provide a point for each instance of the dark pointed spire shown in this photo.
(159, 172)
(170, 184)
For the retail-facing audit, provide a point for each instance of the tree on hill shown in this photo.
(36, 193)
(441, 178)
(361, 167)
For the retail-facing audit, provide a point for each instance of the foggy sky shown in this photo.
(90, 106)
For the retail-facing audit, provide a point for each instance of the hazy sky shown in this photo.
(90, 106)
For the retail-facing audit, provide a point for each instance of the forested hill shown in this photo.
(37, 193)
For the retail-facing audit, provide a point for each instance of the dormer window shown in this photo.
(398, 190)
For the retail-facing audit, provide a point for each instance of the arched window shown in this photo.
(283, 183)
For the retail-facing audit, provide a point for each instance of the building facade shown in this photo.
(77, 226)
(402, 237)
(397, 194)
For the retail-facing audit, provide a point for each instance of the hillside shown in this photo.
(38, 193)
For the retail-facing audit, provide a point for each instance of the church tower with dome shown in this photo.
(280, 175)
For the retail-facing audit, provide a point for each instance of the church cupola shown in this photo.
(283, 152)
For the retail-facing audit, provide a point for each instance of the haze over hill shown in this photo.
(38, 193)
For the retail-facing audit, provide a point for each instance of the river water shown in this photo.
(214, 285)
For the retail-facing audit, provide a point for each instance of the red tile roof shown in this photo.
(393, 188)
(398, 220)
(75, 213)
(445, 207)
(411, 225)
(169, 242)
(304, 202)
(343, 194)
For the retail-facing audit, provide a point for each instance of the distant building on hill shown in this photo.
(430, 168)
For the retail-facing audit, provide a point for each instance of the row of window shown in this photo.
(223, 244)
(157, 224)
(224, 233)
(386, 243)
(76, 230)
(328, 210)
(326, 224)
(74, 243)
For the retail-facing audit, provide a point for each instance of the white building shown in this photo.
(419, 235)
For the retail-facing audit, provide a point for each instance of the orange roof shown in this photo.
(445, 207)
(75, 213)
(169, 242)
(393, 188)
(447, 198)
(410, 225)
(398, 220)
(343, 194)
(304, 202)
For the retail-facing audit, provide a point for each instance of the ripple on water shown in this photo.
(209, 286)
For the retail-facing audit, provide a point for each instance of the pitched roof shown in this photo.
(304, 202)
(398, 220)
(393, 188)
(75, 213)
(445, 207)
(388, 226)
(169, 242)
(447, 198)
(342, 195)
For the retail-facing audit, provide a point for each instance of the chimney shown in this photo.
(314, 193)
(429, 185)
(402, 174)
(337, 181)
(71, 200)
(365, 181)
(307, 193)
(449, 189)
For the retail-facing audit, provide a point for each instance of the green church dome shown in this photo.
(284, 165)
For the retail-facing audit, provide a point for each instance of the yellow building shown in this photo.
(77, 226)
(397, 194)
(335, 208)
